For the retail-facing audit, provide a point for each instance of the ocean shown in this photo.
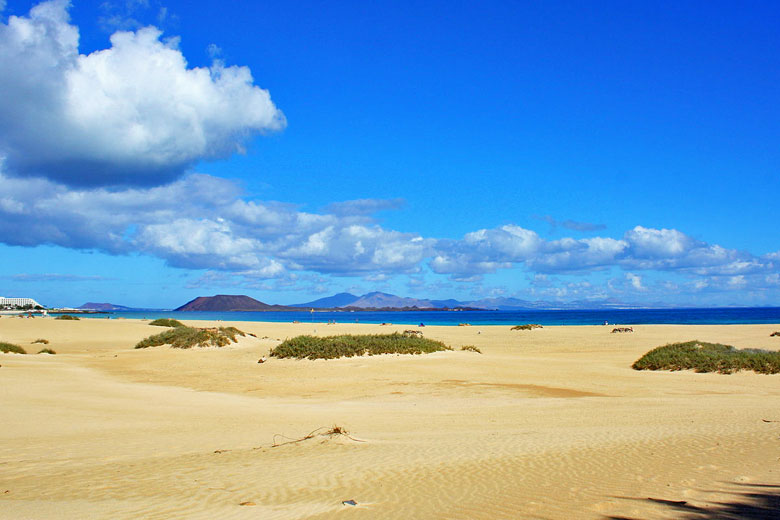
(710, 316)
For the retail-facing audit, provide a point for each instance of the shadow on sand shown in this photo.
(752, 502)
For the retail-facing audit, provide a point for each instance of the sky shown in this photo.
(154, 151)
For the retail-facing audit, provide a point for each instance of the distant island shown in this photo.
(349, 303)
(92, 306)
(373, 301)
(230, 302)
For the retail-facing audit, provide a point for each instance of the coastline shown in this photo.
(709, 316)
(546, 423)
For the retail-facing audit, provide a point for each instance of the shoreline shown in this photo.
(767, 315)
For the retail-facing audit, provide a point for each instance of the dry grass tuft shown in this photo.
(331, 347)
(10, 347)
(709, 357)
(188, 337)
(527, 326)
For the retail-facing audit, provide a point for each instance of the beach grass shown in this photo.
(471, 348)
(46, 351)
(66, 317)
(331, 347)
(41, 340)
(527, 326)
(10, 347)
(701, 356)
(188, 337)
(167, 322)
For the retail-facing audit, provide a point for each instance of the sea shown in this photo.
(698, 316)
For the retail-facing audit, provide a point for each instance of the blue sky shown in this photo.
(153, 152)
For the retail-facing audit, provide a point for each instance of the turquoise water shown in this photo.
(544, 317)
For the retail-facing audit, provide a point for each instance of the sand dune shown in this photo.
(550, 423)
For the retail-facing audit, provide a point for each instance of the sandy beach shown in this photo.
(549, 423)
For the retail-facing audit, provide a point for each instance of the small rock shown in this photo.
(247, 504)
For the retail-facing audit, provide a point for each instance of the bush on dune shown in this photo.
(46, 351)
(67, 317)
(331, 347)
(527, 326)
(709, 357)
(10, 347)
(188, 337)
(167, 322)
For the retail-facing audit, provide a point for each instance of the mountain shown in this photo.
(229, 302)
(379, 300)
(330, 302)
(104, 307)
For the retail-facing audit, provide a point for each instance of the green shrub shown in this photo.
(188, 337)
(40, 340)
(709, 357)
(8, 347)
(66, 317)
(471, 348)
(527, 326)
(46, 351)
(313, 347)
(167, 322)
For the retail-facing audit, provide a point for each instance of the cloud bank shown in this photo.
(132, 114)
(216, 228)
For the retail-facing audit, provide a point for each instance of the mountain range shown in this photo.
(92, 306)
(380, 300)
(372, 300)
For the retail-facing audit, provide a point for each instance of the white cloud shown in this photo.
(202, 222)
(658, 243)
(636, 281)
(132, 114)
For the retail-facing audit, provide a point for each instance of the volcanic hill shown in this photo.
(229, 302)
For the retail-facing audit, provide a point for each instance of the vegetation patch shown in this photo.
(471, 348)
(527, 326)
(709, 357)
(41, 340)
(188, 337)
(331, 347)
(167, 322)
(46, 351)
(67, 317)
(9, 347)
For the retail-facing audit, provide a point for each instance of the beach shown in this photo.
(546, 423)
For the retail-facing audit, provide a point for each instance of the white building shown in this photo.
(17, 302)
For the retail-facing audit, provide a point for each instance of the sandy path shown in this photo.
(549, 423)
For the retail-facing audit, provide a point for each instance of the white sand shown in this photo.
(550, 423)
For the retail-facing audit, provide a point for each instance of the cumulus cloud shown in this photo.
(214, 229)
(132, 114)
(204, 222)
(640, 248)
